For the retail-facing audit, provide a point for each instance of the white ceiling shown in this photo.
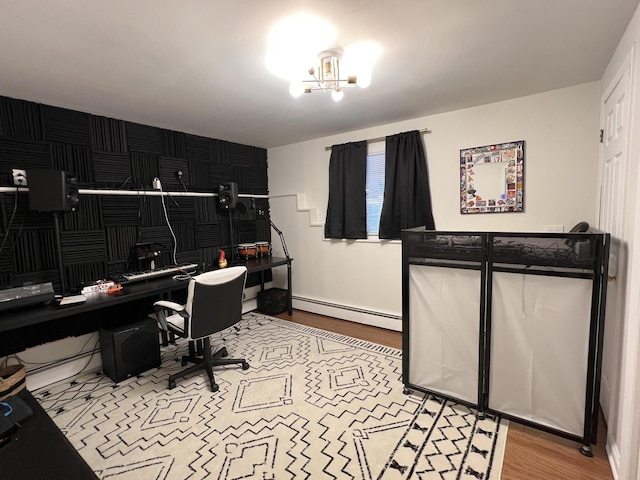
(197, 66)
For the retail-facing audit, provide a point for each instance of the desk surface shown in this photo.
(31, 315)
(40, 450)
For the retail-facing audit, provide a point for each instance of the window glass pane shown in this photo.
(375, 191)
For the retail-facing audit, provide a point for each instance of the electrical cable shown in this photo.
(93, 352)
(125, 182)
(183, 185)
(13, 214)
(40, 365)
(166, 217)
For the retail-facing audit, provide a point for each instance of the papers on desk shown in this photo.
(72, 299)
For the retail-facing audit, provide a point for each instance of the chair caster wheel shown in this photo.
(215, 387)
(245, 366)
(172, 384)
(223, 352)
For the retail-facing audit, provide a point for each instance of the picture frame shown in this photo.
(492, 178)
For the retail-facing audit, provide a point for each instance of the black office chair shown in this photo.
(214, 303)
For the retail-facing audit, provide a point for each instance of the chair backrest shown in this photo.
(214, 300)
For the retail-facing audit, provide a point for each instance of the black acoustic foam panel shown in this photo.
(107, 153)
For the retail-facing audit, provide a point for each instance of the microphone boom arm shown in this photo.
(281, 235)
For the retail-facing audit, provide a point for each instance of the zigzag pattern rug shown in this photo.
(313, 405)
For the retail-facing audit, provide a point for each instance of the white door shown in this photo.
(610, 218)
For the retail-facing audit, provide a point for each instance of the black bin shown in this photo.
(272, 301)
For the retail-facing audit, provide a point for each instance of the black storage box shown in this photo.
(272, 301)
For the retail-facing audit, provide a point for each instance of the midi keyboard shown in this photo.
(156, 273)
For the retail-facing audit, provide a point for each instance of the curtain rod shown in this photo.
(379, 139)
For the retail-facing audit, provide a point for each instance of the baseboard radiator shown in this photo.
(346, 312)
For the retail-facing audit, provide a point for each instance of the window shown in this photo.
(375, 191)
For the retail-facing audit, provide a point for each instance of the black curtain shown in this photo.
(347, 206)
(407, 198)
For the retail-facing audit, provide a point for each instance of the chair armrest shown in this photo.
(162, 306)
(168, 304)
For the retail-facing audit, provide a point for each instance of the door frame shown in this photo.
(624, 451)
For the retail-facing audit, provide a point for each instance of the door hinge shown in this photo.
(601, 135)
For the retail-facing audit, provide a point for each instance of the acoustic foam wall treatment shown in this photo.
(88, 217)
(173, 144)
(143, 138)
(111, 169)
(115, 154)
(199, 175)
(246, 231)
(119, 241)
(220, 152)
(26, 154)
(65, 126)
(107, 135)
(169, 168)
(186, 236)
(239, 155)
(144, 168)
(121, 210)
(20, 119)
(208, 235)
(197, 148)
(206, 210)
(220, 174)
(160, 235)
(183, 211)
(152, 212)
(74, 159)
(256, 179)
(34, 251)
(80, 246)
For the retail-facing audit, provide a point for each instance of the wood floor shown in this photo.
(530, 454)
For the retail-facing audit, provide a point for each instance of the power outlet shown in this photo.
(554, 228)
(19, 177)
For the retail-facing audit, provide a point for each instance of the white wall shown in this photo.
(560, 129)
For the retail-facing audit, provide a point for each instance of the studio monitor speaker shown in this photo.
(52, 191)
(130, 350)
(227, 195)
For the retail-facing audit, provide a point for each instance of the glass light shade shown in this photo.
(337, 94)
(296, 89)
(364, 80)
(294, 43)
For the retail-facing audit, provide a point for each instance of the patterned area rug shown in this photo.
(314, 404)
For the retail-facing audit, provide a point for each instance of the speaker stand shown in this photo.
(56, 224)
(233, 248)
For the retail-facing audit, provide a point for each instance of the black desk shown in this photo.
(39, 450)
(103, 310)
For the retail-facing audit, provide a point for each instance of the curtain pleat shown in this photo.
(407, 197)
(347, 205)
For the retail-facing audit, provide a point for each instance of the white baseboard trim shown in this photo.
(613, 453)
(56, 372)
(345, 312)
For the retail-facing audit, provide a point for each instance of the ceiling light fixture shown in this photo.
(326, 77)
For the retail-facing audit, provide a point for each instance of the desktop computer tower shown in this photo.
(130, 350)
